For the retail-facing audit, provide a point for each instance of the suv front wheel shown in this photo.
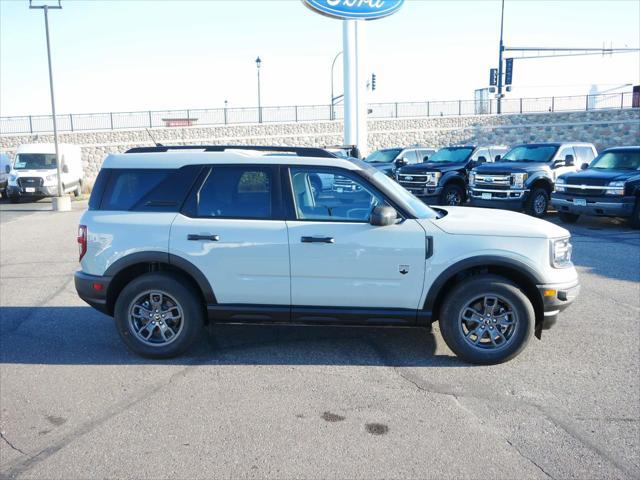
(486, 319)
(157, 316)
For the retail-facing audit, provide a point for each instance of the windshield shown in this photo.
(530, 153)
(35, 161)
(451, 155)
(383, 156)
(620, 160)
(408, 201)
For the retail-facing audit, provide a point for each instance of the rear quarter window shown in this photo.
(126, 187)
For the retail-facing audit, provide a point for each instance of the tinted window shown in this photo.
(35, 161)
(530, 153)
(126, 187)
(236, 192)
(347, 198)
(383, 156)
(618, 160)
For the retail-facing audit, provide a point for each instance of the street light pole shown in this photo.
(57, 205)
(258, 63)
(333, 64)
(499, 102)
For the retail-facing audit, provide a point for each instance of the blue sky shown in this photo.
(126, 55)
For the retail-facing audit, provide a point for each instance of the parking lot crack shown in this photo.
(526, 457)
(3, 436)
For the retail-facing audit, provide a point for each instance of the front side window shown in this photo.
(531, 153)
(343, 197)
(566, 151)
(618, 160)
(383, 156)
(451, 155)
(236, 192)
(35, 161)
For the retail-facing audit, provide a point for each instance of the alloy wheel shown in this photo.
(488, 322)
(156, 318)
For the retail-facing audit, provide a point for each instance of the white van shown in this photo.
(34, 173)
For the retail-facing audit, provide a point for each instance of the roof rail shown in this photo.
(299, 151)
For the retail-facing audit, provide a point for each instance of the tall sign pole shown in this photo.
(353, 15)
(500, 82)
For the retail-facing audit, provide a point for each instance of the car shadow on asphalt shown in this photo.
(82, 336)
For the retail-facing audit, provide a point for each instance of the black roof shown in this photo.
(299, 151)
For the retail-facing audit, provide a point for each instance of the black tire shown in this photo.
(537, 203)
(567, 217)
(634, 221)
(176, 289)
(452, 195)
(14, 199)
(3, 194)
(469, 292)
(77, 191)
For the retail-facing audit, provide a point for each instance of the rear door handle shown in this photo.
(210, 238)
(317, 240)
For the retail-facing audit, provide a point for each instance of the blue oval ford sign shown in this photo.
(355, 9)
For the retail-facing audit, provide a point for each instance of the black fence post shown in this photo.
(188, 117)
(586, 106)
(296, 112)
(396, 109)
(150, 122)
(621, 100)
(459, 107)
(71, 121)
(520, 104)
(30, 124)
(111, 119)
(428, 109)
(553, 104)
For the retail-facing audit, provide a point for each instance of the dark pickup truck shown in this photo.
(526, 175)
(442, 178)
(609, 187)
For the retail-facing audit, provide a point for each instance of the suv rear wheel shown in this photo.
(452, 195)
(157, 316)
(486, 319)
(537, 203)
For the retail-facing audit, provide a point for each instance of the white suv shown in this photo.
(176, 237)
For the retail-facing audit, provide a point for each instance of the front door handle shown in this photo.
(317, 240)
(210, 238)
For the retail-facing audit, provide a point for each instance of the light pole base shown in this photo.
(61, 204)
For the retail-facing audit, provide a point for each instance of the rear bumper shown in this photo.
(93, 290)
(608, 206)
(555, 299)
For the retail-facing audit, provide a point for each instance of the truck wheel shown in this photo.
(486, 319)
(635, 216)
(452, 195)
(15, 199)
(158, 316)
(77, 191)
(568, 217)
(537, 203)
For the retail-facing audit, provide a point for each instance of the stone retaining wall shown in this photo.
(605, 128)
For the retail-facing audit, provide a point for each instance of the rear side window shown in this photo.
(127, 187)
(243, 192)
(585, 154)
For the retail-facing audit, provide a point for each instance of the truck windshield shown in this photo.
(383, 156)
(451, 155)
(35, 161)
(621, 160)
(531, 153)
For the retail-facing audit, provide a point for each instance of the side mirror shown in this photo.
(425, 159)
(584, 166)
(65, 168)
(569, 161)
(7, 168)
(400, 162)
(383, 216)
(481, 159)
(498, 158)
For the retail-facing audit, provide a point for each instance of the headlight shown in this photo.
(434, 178)
(518, 179)
(12, 178)
(52, 177)
(560, 185)
(472, 178)
(561, 253)
(618, 188)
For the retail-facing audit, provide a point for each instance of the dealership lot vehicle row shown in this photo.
(312, 402)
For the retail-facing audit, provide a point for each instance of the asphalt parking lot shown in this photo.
(271, 402)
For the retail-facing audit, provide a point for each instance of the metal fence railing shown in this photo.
(229, 116)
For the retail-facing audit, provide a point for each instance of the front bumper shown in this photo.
(15, 191)
(424, 193)
(93, 290)
(608, 206)
(555, 299)
(497, 198)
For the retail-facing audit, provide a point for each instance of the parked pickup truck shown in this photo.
(442, 179)
(525, 177)
(388, 160)
(609, 187)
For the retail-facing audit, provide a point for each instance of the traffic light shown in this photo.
(508, 73)
(493, 77)
(373, 82)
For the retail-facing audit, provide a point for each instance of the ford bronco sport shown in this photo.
(176, 237)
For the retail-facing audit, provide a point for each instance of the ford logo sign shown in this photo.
(355, 9)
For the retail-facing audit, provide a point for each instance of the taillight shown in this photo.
(82, 240)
